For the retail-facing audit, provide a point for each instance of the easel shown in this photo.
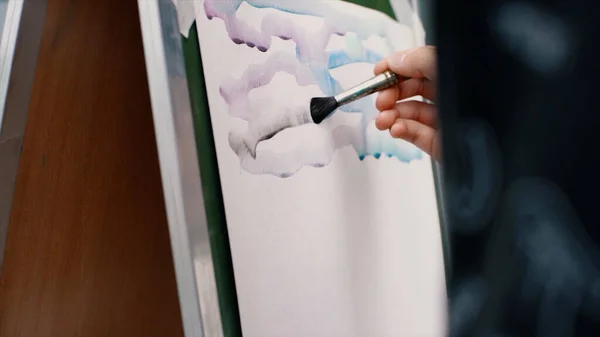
(199, 234)
(87, 251)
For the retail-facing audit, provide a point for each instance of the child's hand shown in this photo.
(413, 121)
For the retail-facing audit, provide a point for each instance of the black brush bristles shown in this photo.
(321, 107)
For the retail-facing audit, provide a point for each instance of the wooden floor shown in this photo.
(88, 250)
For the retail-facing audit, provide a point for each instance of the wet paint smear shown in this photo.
(310, 65)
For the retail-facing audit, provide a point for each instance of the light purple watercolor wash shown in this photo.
(236, 92)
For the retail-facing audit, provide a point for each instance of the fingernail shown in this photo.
(397, 59)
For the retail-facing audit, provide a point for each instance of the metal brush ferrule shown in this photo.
(375, 84)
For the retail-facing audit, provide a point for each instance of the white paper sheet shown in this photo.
(334, 227)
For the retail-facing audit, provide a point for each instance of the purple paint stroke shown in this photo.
(308, 44)
(364, 26)
(239, 32)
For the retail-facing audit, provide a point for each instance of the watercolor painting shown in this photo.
(318, 62)
(333, 228)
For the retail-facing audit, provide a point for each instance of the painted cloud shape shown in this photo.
(311, 48)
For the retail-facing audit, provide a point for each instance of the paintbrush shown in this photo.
(322, 107)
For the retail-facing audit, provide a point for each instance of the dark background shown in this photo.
(520, 117)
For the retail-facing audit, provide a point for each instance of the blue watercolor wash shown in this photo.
(230, 6)
(341, 58)
(292, 7)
